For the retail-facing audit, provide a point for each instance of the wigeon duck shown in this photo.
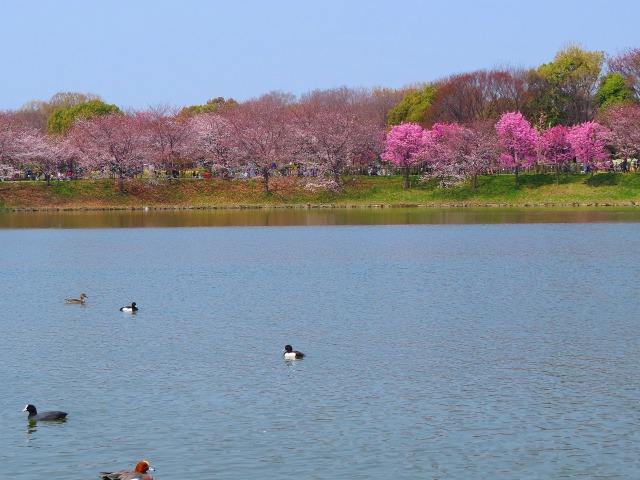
(76, 300)
(290, 353)
(129, 308)
(140, 473)
(34, 415)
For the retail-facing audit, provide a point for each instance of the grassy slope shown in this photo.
(602, 189)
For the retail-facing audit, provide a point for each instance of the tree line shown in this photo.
(583, 107)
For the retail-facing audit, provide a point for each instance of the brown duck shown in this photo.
(140, 473)
(76, 300)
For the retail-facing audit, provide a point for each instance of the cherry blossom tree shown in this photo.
(168, 136)
(455, 152)
(405, 146)
(589, 141)
(624, 122)
(519, 140)
(333, 132)
(479, 150)
(212, 143)
(48, 154)
(111, 145)
(445, 153)
(20, 144)
(556, 149)
(262, 133)
(10, 146)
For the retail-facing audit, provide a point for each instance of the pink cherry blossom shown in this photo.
(556, 148)
(519, 140)
(405, 146)
(589, 142)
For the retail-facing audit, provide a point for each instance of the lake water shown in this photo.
(440, 350)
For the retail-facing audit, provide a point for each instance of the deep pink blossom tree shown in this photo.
(589, 141)
(556, 149)
(405, 146)
(519, 140)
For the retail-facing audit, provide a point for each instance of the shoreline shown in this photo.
(461, 205)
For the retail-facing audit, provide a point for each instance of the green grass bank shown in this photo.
(493, 190)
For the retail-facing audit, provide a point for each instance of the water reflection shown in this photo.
(32, 428)
(314, 216)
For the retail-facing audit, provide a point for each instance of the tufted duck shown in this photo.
(290, 353)
(129, 308)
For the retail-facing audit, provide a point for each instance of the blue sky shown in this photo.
(141, 53)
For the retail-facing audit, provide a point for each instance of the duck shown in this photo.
(290, 353)
(76, 300)
(129, 308)
(140, 473)
(44, 416)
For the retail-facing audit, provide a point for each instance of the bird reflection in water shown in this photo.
(32, 428)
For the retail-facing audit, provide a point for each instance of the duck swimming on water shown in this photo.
(290, 353)
(140, 473)
(76, 300)
(44, 416)
(129, 308)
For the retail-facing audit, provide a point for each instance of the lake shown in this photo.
(435, 349)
